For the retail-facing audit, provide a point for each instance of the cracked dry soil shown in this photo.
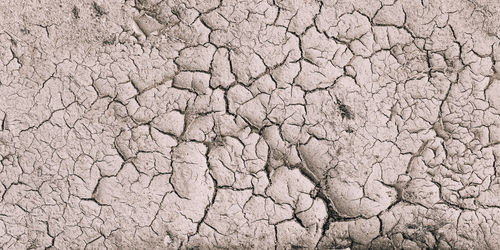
(239, 124)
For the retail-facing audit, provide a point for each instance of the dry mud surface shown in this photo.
(235, 124)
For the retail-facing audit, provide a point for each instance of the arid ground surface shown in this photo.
(317, 124)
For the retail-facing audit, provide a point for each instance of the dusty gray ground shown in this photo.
(238, 124)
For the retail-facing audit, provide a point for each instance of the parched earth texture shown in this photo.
(239, 124)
